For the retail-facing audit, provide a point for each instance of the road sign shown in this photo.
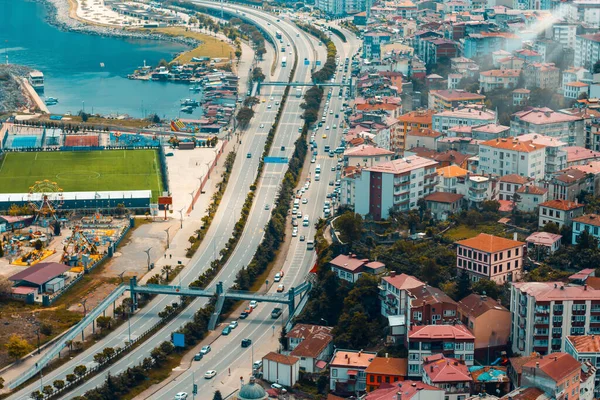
(178, 339)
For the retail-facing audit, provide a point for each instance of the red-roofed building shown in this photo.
(442, 204)
(490, 257)
(544, 121)
(540, 244)
(426, 340)
(449, 374)
(406, 390)
(559, 212)
(496, 157)
(585, 348)
(557, 374)
(385, 370)
(539, 310)
(366, 156)
(281, 369)
(347, 371)
(441, 100)
(350, 268)
(314, 352)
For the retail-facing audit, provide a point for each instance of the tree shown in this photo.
(84, 116)
(349, 225)
(163, 63)
(487, 287)
(166, 270)
(218, 395)
(80, 370)
(155, 119)
(59, 384)
(5, 285)
(48, 390)
(251, 101)
(244, 116)
(37, 395)
(100, 358)
(257, 75)
(38, 245)
(17, 347)
(238, 54)
(46, 329)
(551, 227)
(464, 285)
(104, 322)
(587, 241)
(70, 378)
(109, 352)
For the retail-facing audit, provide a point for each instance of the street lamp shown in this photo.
(148, 254)
(207, 170)
(192, 196)
(82, 304)
(167, 232)
(181, 218)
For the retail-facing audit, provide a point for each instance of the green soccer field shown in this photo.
(80, 171)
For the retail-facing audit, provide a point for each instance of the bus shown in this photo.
(283, 62)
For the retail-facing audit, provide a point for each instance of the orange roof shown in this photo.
(590, 219)
(388, 366)
(514, 178)
(577, 84)
(281, 359)
(377, 106)
(425, 132)
(536, 190)
(419, 116)
(502, 72)
(452, 171)
(557, 366)
(456, 95)
(585, 344)
(489, 243)
(403, 281)
(526, 146)
(352, 359)
(442, 197)
(564, 205)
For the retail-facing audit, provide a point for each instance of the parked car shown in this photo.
(277, 277)
(257, 365)
(198, 357)
(233, 324)
(277, 387)
(253, 304)
(205, 350)
(243, 315)
(280, 288)
(226, 331)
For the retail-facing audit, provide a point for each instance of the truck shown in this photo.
(283, 61)
(298, 92)
(278, 34)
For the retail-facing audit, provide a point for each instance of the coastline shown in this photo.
(61, 14)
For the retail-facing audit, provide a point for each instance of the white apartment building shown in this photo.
(545, 313)
(565, 34)
(498, 79)
(490, 257)
(573, 90)
(585, 11)
(556, 155)
(587, 50)
(544, 121)
(366, 156)
(467, 116)
(475, 188)
(397, 184)
(511, 156)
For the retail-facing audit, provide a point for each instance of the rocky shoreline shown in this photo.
(12, 96)
(58, 15)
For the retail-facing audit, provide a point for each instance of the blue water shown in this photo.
(71, 63)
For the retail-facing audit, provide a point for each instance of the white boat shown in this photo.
(187, 109)
(50, 101)
(190, 103)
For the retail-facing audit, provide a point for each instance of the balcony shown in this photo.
(542, 320)
(542, 310)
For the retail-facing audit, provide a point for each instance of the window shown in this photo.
(543, 211)
(558, 214)
(378, 378)
(334, 372)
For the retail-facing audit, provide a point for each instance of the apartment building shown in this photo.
(587, 222)
(366, 156)
(557, 374)
(414, 120)
(449, 374)
(520, 96)
(454, 341)
(347, 371)
(556, 151)
(512, 156)
(530, 197)
(397, 184)
(423, 138)
(587, 50)
(448, 100)
(372, 42)
(568, 184)
(544, 121)
(565, 34)
(559, 212)
(473, 115)
(573, 90)
(442, 205)
(544, 313)
(490, 257)
(475, 188)
(448, 178)
(541, 75)
(499, 79)
(586, 349)
(509, 184)
(489, 322)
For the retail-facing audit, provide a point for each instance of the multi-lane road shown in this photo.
(226, 351)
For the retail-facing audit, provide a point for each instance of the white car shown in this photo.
(299, 215)
(295, 233)
(304, 200)
(277, 277)
(233, 324)
(313, 160)
(210, 374)
(181, 396)
(330, 111)
(253, 304)
(269, 106)
(262, 125)
(272, 98)
(205, 350)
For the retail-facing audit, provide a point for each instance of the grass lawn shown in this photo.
(83, 170)
(210, 47)
(461, 232)
(76, 119)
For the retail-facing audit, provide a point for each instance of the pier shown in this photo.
(34, 96)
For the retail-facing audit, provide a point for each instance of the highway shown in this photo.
(227, 357)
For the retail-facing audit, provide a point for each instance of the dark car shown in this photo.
(244, 315)
(198, 357)
(246, 342)
(282, 148)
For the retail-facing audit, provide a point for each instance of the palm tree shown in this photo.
(166, 270)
